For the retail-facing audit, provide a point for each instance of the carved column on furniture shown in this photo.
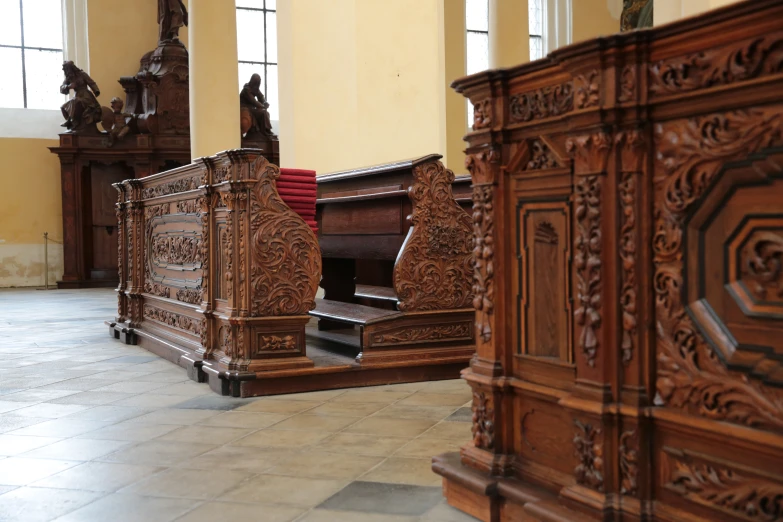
(135, 230)
(122, 266)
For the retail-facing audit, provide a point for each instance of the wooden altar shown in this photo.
(628, 195)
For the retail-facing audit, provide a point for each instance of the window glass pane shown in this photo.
(246, 70)
(271, 94)
(10, 24)
(255, 4)
(11, 88)
(536, 48)
(535, 17)
(271, 37)
(250, 35)
(44, 77)
(476, 15)
(271, 4)
(478, 52)
(43, 24)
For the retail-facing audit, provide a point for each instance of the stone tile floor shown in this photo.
(94, 430)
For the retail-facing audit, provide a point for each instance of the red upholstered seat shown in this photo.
(298, 190)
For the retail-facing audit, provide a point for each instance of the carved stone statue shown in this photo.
(253, 103)
(82, 111)
(172, 15)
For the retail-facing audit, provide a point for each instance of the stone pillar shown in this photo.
(509, 44)
(214, 72)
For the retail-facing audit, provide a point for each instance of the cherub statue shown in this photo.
(119, 123)
(252, 101)
(83, 110)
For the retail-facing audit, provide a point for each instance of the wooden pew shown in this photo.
(397, 263)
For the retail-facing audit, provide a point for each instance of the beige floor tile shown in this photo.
(391, 427)
(47, 410)
(401, 411)
(188, 483)
(427, 448)
(35, 396)
(348, 409)
(459, 431)
(130, 431)
(124, 507)
(109, 413)
(91, 398)
(175, 377)
(435, 399)
(329, 515)
(445, 513)
(451, 386)
(316, 396)
(62, 428)
(175, 416)
(245, 419)
(404, 471)
(11, 445)
(404, 387)
(185, 389)
(158, 452)
(41, 504)
(131, 387)
(278, 406)
(206, 434)
(99, 476)
(20, 471)
(149, 401)
(315, 423)
(212, 511)
(6, 406)
(319, 464)
(77, 449)
(361, 444)
(272, 438)
(276, 489)
(361, 395)
(241, 458)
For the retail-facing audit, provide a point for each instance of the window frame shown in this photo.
(266, 63)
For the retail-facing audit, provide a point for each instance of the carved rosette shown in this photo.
(285, 259)
(722, 489)
(753, 58)
(589, 451)
(540, 104)
(690, 374)
(435, 265)
(483, 420)
(588, 90)
(761, 265)
(629, 463)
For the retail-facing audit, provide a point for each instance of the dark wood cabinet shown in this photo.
(627, 203)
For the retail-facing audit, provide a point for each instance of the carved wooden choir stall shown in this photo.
(628, 219)
(218, 275)
(151, 134)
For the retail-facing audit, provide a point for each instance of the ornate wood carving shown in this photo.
(172, 187)
(285, 264)
(176, 249)
(588, 90)
(483, 421)
(629, 463)
(761, 264)
(173, 319)
(274, 343)
(543, 103)
(589, 451)
(189, 295)
(423, 333)
(482, 114)
(546, 233)
(587, 264)
(628, 84)
(722, 489)
(690, 374)
(203, 206)
(483, 253)
(541, 157)
(435, 266)
(190, 206)
(752, 58)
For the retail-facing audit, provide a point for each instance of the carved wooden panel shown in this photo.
(542, 436)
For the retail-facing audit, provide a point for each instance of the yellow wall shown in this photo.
(670, 10)
(363, 82)
(593, 18)
(456, 107)
(119, 33)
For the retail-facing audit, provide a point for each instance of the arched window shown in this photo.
(257, 47)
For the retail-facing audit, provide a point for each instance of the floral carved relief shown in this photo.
(540, 104)
(435, 267)
(483, 421)
(589, 451)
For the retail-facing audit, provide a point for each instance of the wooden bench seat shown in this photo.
(350, 313)
(378, 293)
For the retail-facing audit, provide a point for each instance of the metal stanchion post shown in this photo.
(46, 260)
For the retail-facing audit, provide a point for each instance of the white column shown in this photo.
(214, 72)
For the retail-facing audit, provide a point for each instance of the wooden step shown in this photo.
(349, 313)
(380, 293)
